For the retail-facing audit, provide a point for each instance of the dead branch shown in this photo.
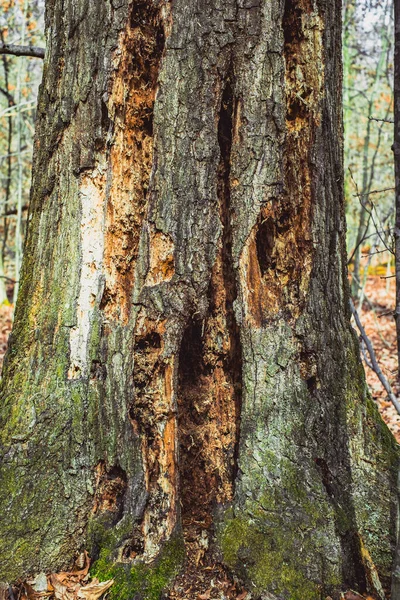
(13, 211)
(374, 363)
(390, 189)
(381, 120)
(14, 50)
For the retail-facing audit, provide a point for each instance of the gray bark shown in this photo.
(182, 364)
(15, 50)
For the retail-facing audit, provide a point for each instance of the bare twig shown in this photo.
(13, 211)
(386, 314)
(365, 355)
(14, 50)
(391, 189)
(370, 210)
(375, 366)
(381, 120)
(369, 253)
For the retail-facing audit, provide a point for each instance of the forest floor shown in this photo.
(377, 318)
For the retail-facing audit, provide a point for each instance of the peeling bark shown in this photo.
(182, 368)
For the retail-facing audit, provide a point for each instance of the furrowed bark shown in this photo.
(189, 377)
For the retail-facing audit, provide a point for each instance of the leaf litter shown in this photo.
(65, 585)
(376, 315)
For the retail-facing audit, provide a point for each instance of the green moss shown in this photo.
(283, 540)
(267, 561)
(383, 435)
(144, 581)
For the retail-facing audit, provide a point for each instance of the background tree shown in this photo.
(21, 22)
(182, 371)
(368, 110)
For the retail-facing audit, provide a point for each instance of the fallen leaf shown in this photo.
(62, 591)
(39, 584)
(93, 591)
(83, 562)
(33, 594)
(205, 596)
(351, 595)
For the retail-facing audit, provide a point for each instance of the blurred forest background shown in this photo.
(368, 40)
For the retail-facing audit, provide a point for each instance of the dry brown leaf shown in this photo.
(83, 560)
(205, 596)
(3, 591)
(62, 591)
(242, 596)
(351, 595)
(93, 591)
(72, 577)
(33, 594)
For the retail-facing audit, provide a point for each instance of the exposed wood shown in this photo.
(182, 369)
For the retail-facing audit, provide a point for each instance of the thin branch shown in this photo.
(386, 313)
(375, 366)
(369, 211)
(360, 195)
(7, 95)
(369, 253)
(365, 355)
(381, 120)
(13, 211)
(22, 50)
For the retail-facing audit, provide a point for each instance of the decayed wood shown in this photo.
(182, 366)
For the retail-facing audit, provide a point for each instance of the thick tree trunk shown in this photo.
(182, 371)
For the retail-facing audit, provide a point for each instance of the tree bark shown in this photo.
(182, 373)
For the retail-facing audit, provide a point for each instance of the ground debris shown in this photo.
(65, 585)
(352, 595)
(376, 315)
(204, 576)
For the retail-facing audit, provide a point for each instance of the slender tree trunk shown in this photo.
(7, 187)
(182, 372)
(19, 125)
(368, 172)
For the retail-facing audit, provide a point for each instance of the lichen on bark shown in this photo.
(191, 375)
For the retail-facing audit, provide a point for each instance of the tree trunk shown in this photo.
(182, 373)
